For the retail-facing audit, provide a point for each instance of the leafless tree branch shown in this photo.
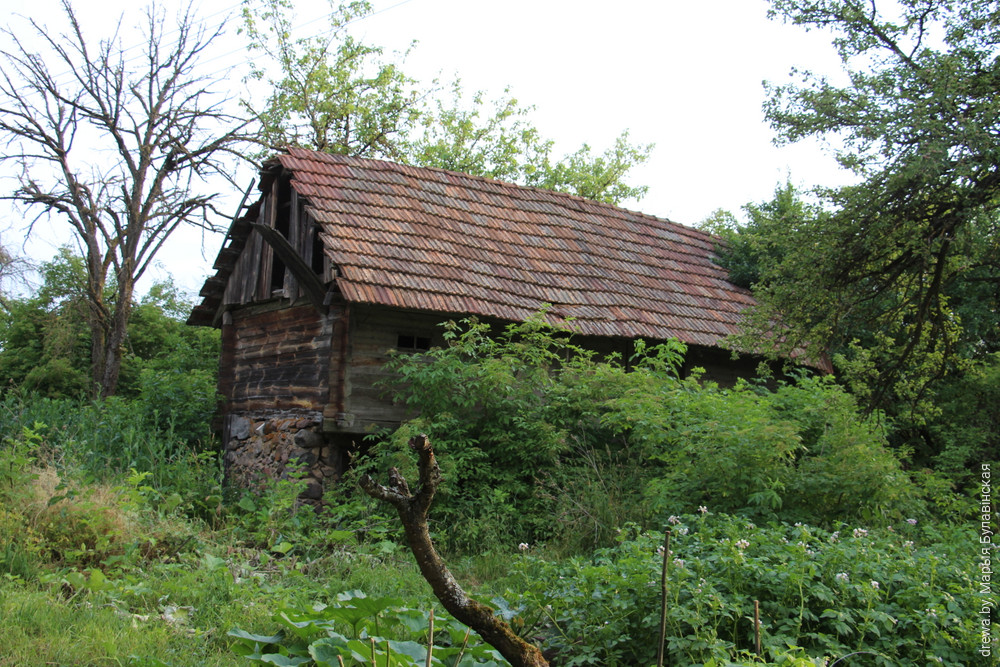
(114, 148)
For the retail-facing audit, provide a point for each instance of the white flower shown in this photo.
(750, 526)
(798, 524)
(742, 544)
(523, 546)
(912, 522)
(842, 577)
(673, 520)
(834, 536)
(908, 544)
(679, 562)
(874, 584)
(860, 532)
(682, 530)
(702, 509)
(659, 550)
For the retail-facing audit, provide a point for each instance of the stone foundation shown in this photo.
(260, 447)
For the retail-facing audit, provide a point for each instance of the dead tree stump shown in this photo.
(412, 509)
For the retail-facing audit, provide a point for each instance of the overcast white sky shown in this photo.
(685, 75)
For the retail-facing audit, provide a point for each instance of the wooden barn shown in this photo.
(343, 259)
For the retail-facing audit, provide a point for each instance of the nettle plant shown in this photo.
(900, 596)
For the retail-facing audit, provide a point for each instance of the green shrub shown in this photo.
(967, 432)
(179, 404)
(362, 630)
(501, 411)
(539, 440)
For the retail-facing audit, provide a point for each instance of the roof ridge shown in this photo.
(514, 188)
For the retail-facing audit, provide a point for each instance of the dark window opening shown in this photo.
(413, 343)
(277, 274)
(316, 261)
(282, 224)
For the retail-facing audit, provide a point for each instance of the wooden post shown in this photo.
(756, 625)
(660, 651)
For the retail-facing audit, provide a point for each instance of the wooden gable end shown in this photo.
(272, 251)
(270, 298)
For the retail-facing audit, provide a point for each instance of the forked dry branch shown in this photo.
(413, 509)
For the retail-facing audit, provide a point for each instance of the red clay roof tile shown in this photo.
(435, 240)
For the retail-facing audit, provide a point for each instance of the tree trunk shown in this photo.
(114, 343)
(412, 511)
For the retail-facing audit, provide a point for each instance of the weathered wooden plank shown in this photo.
(268, 214)
(278, 245)
(278, 365)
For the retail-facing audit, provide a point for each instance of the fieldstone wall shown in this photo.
(260, 447)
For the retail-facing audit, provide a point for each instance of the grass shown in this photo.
(94, 574)
(119, 570)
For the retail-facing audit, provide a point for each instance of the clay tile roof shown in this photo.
(435, 240)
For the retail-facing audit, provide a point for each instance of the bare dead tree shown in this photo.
(412, 510)
(13, 270)
(115, 146)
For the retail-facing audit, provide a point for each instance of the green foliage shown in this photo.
(903, 597)
(362, 630)
(44, 339)
(272, 517)
(966, 432)
(899, 271)
(332, 93)
(490, 138)
(45, 347)
(336, 94)
(541, 441)
(121, 566)
(752, 251)
(926, 401)
(106, 439)
(600, 178)
(800, 452)
(499, 142)
(20, 545)
(505, 412)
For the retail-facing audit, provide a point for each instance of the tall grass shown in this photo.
(101, 438)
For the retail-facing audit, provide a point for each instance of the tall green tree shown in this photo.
(495, 138)
(334, 93)
(116, 147)
(896, 254)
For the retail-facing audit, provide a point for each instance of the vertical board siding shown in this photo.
(373, 333)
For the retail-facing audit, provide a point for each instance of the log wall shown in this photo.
(277, 358)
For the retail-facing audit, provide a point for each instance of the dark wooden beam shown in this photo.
(309, 281)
